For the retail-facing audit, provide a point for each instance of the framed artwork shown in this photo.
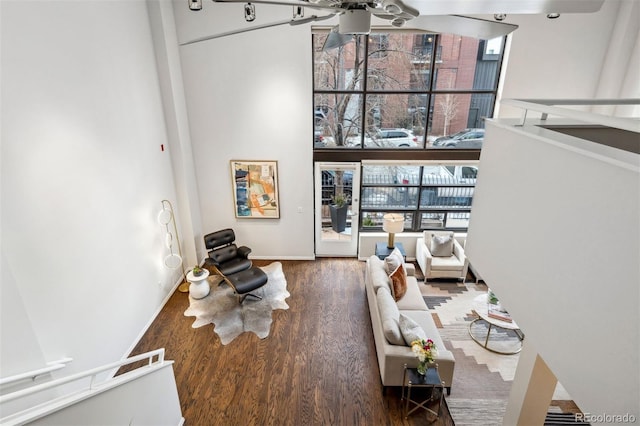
(255, 189)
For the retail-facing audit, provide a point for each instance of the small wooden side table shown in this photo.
(429, 382)
(383, 251)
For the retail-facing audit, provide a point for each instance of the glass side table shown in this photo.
(427, 389)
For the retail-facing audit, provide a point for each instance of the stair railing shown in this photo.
(33, 374)
(93, 373)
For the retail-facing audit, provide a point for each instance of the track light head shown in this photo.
(553, 15)
(398, 22)
(195, 4)
(249, 12)
(499, 16)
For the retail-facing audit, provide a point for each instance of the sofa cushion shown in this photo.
(450, 263)
(410, 269)
(410, 330)
(399, 282)
(412, 300)
(389, 316)
(378, 274)
(441, 245)
(394, 259)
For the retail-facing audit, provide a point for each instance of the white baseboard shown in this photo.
(282, 257)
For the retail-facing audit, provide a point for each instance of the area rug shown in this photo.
(482, 379)
(231, 319)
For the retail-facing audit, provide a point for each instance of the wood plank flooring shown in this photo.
(317, 367)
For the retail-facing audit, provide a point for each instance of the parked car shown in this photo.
(318, 139)
(354, 141)
(467, 138)
(395, 138)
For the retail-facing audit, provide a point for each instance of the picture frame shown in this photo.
(255, 189)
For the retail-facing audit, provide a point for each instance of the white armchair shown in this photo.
(449, 260)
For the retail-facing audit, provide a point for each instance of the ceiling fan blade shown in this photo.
(286, 3)
(461, 25)
(481, 7)
(292, 22)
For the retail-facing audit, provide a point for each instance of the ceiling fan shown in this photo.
(438, 16)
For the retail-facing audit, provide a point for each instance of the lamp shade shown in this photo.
(173, 261)
(393, 223)
(335, 40)
(165, 216)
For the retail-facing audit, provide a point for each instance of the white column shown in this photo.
(532, 390)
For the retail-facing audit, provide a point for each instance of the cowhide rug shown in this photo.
(230, 319)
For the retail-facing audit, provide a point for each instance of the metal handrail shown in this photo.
(89, 373)
(548, 106)
(52, 366)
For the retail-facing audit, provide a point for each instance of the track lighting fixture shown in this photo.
(499, 16)
(398, 22)
(391, 7)
(298, 12)
(195, 4)
(553, 15)
(249, 12)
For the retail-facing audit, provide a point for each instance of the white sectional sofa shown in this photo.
(392, 351)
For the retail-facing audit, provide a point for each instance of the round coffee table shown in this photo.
(480, 306)
(199, 286)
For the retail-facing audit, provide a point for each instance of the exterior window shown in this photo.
(429, 196)
(385, 82)
(419, 96)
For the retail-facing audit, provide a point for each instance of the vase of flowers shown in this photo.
(426, 351)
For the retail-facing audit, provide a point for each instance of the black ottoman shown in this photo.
(246, 281)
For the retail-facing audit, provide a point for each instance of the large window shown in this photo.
(434, 196)
(396, 98)
(401, 90)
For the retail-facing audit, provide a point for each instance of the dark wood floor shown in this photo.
(317, 367)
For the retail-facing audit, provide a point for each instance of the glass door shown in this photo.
(337, 206)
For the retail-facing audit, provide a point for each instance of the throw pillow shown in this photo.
(442, 245)
(399, 282)
(389, 316)
(394, 259)
(411, 330)
(378, 274)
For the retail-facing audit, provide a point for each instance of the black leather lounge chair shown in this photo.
(233, 264)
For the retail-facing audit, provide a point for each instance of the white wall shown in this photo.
(570, 277)
(82, 179)
(557, 58)
(249, 97)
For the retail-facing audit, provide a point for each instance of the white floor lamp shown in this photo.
(172, 260)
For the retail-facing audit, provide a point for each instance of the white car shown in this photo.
(387, 138)
(395, 138)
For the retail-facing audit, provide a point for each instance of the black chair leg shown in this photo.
(241, 297)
